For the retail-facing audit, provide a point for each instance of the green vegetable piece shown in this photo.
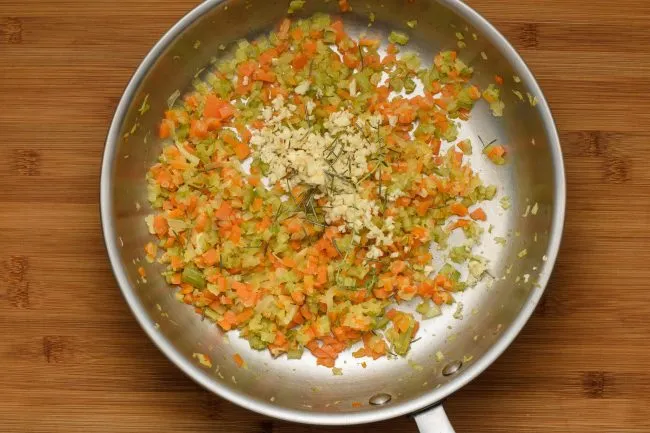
(194, 277)
(398, 38)
(428, 310)
(459, 254)
(296, 5)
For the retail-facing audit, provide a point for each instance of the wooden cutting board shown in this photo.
(72, 358)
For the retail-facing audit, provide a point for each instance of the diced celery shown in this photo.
(193, 277)
(398, 38)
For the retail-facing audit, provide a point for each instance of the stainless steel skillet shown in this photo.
(452, 351)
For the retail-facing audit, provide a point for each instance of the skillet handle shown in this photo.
(433, 420)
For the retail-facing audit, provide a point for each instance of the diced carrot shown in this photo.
(165, 130)
(498, 79)
(478, 214)
(267, 56)
(344, 6)
(474, 93)
(211, 257)
(297, 34)
(198, 129)
(235, 234)
(294, 225)
(226, 111)
(289, 262)
(423, 207)
(264, 223)
(496, 152)
(309, 48)
(246, 69)
(257, 124)
(160, 225)
(266, 76)
(244, 132)
(176, 263)
(458, 209)
(242, 151)
(459, 224)
(211, 107)
(150, 248)
(191, 101)
(212, 124)
(254, 181)
(171, 115)
(228, 320)
(389, 59)
(419, 232)
(298, 297)
(299, 62)
(321, 277)
(397, 267)
(176, 213)
(201, 222)
(350, 60)
(368, 42)
(403, 201)
(256, 206)
(326, 362)
(224, 211)
(245, 315)
(337, 26)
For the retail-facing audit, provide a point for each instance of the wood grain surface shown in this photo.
(72, 358)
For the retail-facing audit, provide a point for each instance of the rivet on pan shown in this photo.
(451, 368)
(380, 399)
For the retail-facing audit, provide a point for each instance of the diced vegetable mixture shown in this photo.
(301, 187)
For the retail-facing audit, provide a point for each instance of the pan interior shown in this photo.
(488, 309)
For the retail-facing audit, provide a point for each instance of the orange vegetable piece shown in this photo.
(459, 224)
(458, 209)
(242, 150)
(257, 204)
(165, 130)
(226, 111)
(201, 222)
(211, 257)
(198, 129)
(478, 214)
(423, 207)
(309, 48)
(337, 26)
(474, 93)
(297, 34)
(266, 76)
(212, 106)
(299, 62)
(160, 225)
(397, 267)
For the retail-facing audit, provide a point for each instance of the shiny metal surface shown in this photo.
(380, 399)
(452, 368)
(298, 390)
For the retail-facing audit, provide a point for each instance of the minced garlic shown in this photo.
(338, 157)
